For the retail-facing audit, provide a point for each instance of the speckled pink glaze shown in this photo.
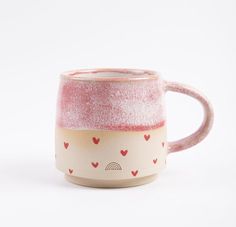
(126, 99)
(206, 125)
(130, 102)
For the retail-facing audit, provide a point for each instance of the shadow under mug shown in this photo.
(111, 126)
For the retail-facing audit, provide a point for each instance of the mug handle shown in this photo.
(206, 125)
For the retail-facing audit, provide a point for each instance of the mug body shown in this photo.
(111, 127)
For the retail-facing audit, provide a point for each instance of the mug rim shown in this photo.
(108, 74)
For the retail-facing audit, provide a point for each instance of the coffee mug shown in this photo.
(111, 126)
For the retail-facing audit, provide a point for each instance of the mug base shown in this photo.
(110, 183)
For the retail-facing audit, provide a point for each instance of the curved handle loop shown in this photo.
(206, 125)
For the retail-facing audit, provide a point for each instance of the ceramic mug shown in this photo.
(111, 126)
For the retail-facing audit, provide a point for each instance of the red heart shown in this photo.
(134, 173)
(163, 144)
(95, 164)
(124, 152)
(96, 140)
(154, 161)
(66, 145)
(147, 137)
(70, 171)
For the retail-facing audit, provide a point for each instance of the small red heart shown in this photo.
(134, 173)
(96, 140)
(163, 144)
(154, 161)
(147, 137)
(95, 164)
(124, 152)
(66, 145)
(70, 171)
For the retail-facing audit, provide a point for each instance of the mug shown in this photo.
(111, 126)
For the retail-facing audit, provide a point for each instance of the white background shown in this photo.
(193, 42)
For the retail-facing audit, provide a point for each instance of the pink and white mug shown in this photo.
(111, 126)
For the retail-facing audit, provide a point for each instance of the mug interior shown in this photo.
(110, 74)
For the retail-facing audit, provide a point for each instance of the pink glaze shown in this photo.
(123, 99)
(130, 100)
(206, 125)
